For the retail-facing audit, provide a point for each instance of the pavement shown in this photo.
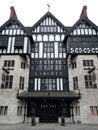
(48, 126)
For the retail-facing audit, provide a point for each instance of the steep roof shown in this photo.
(83, 18)
(87, 20)
(14, 20)
(48, 14)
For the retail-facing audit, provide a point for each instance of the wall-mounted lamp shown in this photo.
(5, 70)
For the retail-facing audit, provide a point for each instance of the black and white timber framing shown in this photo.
(49, 83)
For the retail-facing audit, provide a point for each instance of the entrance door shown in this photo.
(48, 111)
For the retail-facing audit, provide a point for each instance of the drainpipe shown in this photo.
(24, 112)
(72, 113)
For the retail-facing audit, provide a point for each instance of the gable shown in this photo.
(14, 38)
(13, 27)
(84, 27)
(48, 23)
(82, 38)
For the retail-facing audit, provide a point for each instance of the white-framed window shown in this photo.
(39, 38)
(45, 38)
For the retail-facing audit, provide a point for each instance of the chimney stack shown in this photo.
(12, 12)
(84, 12)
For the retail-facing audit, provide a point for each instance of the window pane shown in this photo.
(3, 41)
(19, 41)
(48, 84)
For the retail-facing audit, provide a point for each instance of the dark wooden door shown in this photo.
(48, 111)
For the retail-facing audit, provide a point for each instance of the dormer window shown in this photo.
(19, 42)
(3, 41)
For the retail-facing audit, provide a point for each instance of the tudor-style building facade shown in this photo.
(48, 70)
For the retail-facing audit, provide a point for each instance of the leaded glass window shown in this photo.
(48, 28)
(19, 41)
(9, 63)
(21, 83)
(36, 65)
(48, 84)
(3, 110)
(48, 47)
(48, 64)
(88, 63)
(8, 82)
(89, 82)
(36, 47)
(3, 41)
(61, 48)
(58, 65)
(94, 110)
(75, 83)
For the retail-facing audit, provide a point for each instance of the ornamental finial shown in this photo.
(48, 5)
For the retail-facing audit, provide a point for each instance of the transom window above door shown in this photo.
(48, 84)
